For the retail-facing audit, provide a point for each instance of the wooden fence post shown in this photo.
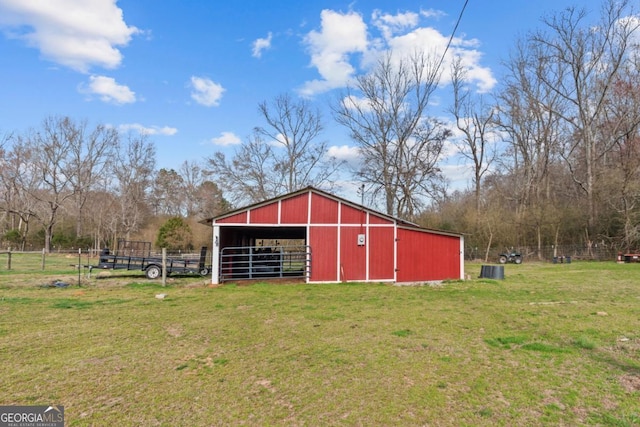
(9, 260)
(79, 262)
(43, 257)
(164, 266)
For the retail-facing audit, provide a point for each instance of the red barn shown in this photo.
(318, 237)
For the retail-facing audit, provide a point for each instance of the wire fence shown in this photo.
(551, 253)
(26, 261)
(38, 260)
(81, 262)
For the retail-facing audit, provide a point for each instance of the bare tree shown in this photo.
(283, 156)
(582, 62)
(528, 117)
(385, 113)
(294, 128)
(248, 176)
(133, 169)
(90, 154)
(48, 166)
(18, 181)
(621, 185)
(168, 193)
(475, 119)
(203, 198)
(193, 177)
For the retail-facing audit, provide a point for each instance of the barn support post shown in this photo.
(462, 258)
(215, 256)
(395, 251)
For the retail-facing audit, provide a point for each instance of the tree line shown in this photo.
(556, 153)
(553, 152)
(67, 184)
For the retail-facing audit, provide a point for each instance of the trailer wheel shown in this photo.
(153, 272)
(204, 271)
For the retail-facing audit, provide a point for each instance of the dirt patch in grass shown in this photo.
(630, 382)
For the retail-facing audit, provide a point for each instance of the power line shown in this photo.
(446, 49)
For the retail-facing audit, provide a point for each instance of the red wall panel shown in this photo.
(324, 254)
(381, 241)
(323, 210)
(374, 219)
(267, 214)
(240, 218)
(351, 215)
(295, 209)
(353, 258)
(425, 256)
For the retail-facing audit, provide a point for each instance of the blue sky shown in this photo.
(191, 73)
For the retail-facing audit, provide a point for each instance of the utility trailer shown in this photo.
(132, 255)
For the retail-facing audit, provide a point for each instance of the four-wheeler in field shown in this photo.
(511, 256)
(132, 255)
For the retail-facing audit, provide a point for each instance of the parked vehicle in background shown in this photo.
(132, 255)
(511, 256)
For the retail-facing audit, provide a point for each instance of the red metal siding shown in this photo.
(381, 242)
(351, 215)
(267, 214)
(421, 255)
(240, 218)
(294, 210)
(424, 256)
(324, 254)
(353, 258)
(374, 219)
(323, 210)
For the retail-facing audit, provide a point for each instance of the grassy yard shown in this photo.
(549, 345)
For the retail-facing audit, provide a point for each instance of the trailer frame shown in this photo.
(135, 255)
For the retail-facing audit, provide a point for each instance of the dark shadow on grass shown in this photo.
(628, 366)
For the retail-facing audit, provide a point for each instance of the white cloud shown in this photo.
(353, 102)
(432, 13)
(108, 90)
(340, 36)
(632, 21)
(466, 49)
(148, 130)
(470, 58)
(406, 44)
(260, 45)
(393, 24)
(344, 152)
(78, 34)
(458, 175)
(205, 91)
(226, 138)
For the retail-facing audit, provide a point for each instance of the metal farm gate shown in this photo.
(265, 262)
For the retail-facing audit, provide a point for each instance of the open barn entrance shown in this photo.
(249, 253)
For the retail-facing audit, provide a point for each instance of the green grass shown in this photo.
(549, 345)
